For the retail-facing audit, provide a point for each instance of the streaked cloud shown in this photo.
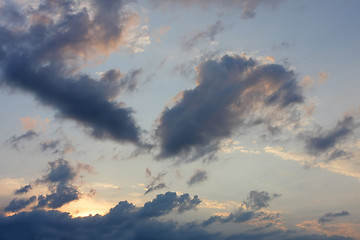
(15, 141)
(198, 177)
(328, 217)
(208, 34)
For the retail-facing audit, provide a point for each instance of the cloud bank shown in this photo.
(125, 221)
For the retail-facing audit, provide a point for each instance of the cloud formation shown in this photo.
(327, 140)
(231, 93)
(156, 181)
(125, 221)
(14, 141)
(24, 189)
(257, 200)
(19, 204)
(199, 176)
(328, 217)
(44, 55)
(207, 34)
(59, 179)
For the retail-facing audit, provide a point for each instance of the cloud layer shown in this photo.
(125, 221)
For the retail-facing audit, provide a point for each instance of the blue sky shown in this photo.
(194, 119)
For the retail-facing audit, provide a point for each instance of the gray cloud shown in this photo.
(19, 204)
(229, 94)
(328, 217)
(125, 221)
(257, 200)
(326, 140)
(247, 7)
(164, 203)
(49, 145)
(59, 179)
(14, 141)
(199, 176)
(207, 34)
(254, 202)
(60, 195)
(156, 181)
(44, 57)
(151, 188)
(25, 189)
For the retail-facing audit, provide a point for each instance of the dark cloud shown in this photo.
(164, 203)
(257, 200)
(19, 204)
(247, 7)
(254, 202)
(156, 181)
(60, 195)
(25, 189)
(14, 141)
(151, 188)
(127, 222)
(326, 140)
(199, 176)
(236, 217)
(230, 92)
(207, 34)
(60, 179)
(328, 217)
(43, 58)
(60, 171)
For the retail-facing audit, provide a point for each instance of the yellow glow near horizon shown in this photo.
(88, 206)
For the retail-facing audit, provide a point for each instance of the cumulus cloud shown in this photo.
(128, 222)
(45, 55)
(60, 179)
(328, 217)
(198, 177)
(257, 200)
(248, 7)
(231, 93)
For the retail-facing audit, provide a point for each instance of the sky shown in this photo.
(191, 119)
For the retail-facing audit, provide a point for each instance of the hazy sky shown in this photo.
(182, 119)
